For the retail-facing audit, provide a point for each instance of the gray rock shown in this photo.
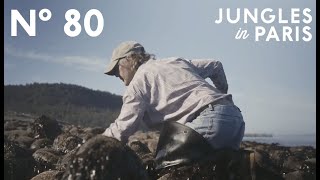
(13, 134)
(46, 159)
(95, 130)
(63, 162)
(49, 175)
(312, 161)
(11, 125)
(139, 148)
(66, 142)
(18, 162)
(24, 141)
(291, 164)
(296, 175)
(45, 127)
(40, 143)
(149, 138)
(103, 157)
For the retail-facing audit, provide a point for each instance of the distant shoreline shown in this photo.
(258, 135)
(285, 140)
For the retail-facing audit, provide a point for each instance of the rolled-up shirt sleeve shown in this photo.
(208, 68)
(128, 121)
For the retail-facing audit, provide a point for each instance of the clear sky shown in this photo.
(273, 83)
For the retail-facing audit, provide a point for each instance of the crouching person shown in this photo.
(173, 93)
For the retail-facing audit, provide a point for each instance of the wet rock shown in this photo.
(278, 157)
(245, 144)
(139, 148)
(150, 139)
(260, 147)
(303, 152)
(95, 130)
(296, 175)
(86, 136)
(49, 175)
(262, 158)
(292, 163)
(146, 156)
(13, 134)
(76, 130)
(164, 177)
(62, 164)
(66, 128)
(309, 170)
(105, 158)
(18, 162)
(312, 161)
(46, 159)
(83, 133)
(24, 141)
(40, 143)
(66, 142)
(45, 127)
(148, 161)
(25, 156)
(264, 168)
(11, 125)
(87, 133)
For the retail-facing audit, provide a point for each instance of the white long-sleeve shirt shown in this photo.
(169, 89)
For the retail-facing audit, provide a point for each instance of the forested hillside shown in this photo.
(65, 102)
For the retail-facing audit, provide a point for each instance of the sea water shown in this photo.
(287, 139)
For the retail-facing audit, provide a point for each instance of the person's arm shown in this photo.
(126, 124)
(212, 69)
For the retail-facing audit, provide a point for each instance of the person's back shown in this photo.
(175, 90)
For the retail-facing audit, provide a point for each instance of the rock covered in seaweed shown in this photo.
(18, 161)
(103, 157)
(72, 151)
(46, 127)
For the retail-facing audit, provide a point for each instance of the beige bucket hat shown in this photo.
(124, 49)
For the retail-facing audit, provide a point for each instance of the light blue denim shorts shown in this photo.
(221, 125)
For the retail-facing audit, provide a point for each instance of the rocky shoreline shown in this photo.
(42, 148)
